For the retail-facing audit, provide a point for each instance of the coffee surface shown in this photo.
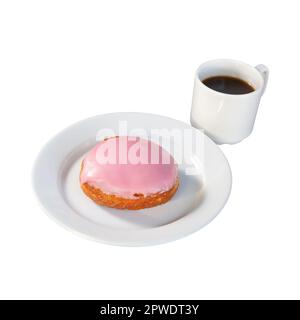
(230, 85)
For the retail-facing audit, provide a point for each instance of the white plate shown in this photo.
(198, 200)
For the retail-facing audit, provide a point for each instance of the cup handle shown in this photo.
(264, 71)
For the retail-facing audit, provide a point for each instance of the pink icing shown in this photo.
(126, 166)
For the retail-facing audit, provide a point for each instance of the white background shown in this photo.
(62, 61)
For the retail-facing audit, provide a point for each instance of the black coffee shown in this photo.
(230, 85)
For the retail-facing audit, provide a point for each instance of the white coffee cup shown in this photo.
(227, 118)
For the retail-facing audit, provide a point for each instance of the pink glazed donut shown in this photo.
(129, 173)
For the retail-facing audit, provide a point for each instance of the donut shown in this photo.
(129, 173)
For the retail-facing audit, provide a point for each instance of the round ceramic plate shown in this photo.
(205, 184)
